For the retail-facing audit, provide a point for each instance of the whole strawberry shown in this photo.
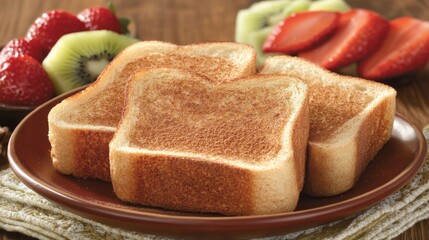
(100, 18)
(23, 82)
(20, 46)
(52, 25)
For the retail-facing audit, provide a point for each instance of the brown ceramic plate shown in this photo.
(392, 168)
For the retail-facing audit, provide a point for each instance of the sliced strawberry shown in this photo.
(406, 49)
(52, 25)
(20, 46)
(359, 33)
(301, 31)
(100, 18)
(24, 82)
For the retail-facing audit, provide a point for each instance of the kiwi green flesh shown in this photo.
(294, 7)
(330, 5)
(255, 23)
(257, 39)
(78, 58)
(255, 17)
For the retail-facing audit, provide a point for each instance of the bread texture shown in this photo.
(350, 120)
(187, 144)
(81, 126)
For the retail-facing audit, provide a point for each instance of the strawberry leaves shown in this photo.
(125, 22)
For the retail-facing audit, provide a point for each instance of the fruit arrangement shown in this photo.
(254, 24)
(335, 36)
(60, 51)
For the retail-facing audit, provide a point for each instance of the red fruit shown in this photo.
(359, 33)
(23, 82)
(405, 49)
(20, 46)
(100, 18)
(301, 31)
(52, 25)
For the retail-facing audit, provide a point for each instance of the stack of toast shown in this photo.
(194, 128)
(82, 126)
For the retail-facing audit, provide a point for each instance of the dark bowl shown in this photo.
(11, 115)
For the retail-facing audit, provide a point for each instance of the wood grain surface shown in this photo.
(190, 21)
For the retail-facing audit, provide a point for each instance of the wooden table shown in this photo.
(189, 21)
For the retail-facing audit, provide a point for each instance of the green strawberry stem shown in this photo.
(111, 7)
(124, 21)
(124, 24)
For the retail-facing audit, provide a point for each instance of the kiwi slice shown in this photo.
(254, 24)
(257, 38)
(78, 58)
(294, 7)
(255, 18)
(270, 6)
(329, 5)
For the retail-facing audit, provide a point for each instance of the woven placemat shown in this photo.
(24, 211)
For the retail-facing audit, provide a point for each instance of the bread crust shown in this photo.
(347, 161)
(292, 173)
(182, 183)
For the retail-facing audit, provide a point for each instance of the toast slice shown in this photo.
(81, 126)
(350, 120)
(187, 144)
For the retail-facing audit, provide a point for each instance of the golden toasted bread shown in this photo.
(350, 120)
(81, 126)
(187, 144)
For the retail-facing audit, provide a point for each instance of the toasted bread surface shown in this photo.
(350, 120)
(91, 116)
(187, 144)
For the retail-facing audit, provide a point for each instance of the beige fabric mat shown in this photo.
(22, 210)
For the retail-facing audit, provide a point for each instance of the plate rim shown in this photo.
(94, 210)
